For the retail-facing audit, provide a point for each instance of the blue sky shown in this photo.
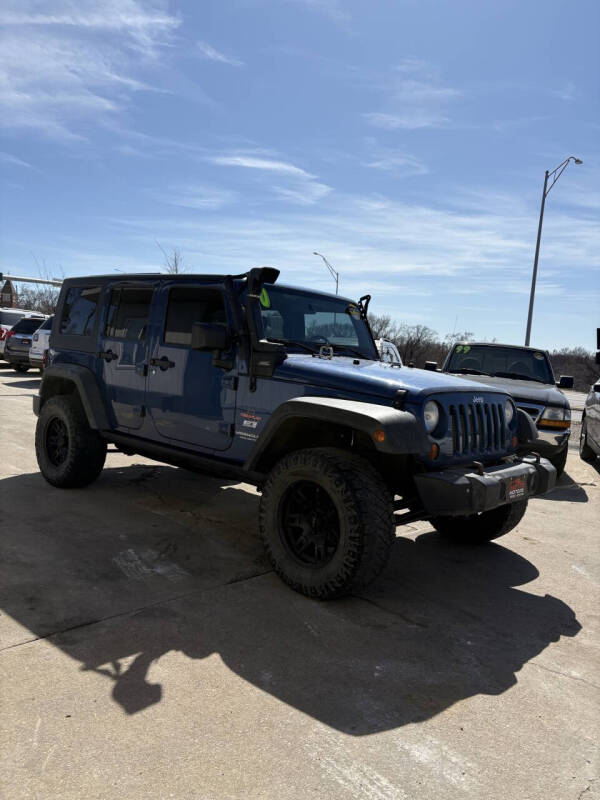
(404, 139)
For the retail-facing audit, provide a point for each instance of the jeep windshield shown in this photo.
(306, 321)
(501, 362)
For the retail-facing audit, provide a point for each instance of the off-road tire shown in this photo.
(585, 451)
(481, 528)
(21, 368)
(365, 517)
(559, 461)
(85, 451)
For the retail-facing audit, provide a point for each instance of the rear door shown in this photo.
(123, 352)
(191, 400)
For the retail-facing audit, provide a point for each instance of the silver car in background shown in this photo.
(8, 319)
(589, 438)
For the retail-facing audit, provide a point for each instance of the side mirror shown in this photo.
(209, 337)
(565, 382)
(431, 365)
(596, 388)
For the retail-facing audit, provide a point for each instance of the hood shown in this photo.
(541, 393)
(369, 377)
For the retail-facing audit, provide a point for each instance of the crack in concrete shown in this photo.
(131, 612)
(403, 617)
(564, 674)
(587, 788)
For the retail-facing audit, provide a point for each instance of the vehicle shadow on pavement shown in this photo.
(567, 490)
(26, 383)
(151, 560)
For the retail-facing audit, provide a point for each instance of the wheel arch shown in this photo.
(306, 422)
(73, 379)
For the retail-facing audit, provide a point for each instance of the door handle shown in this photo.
(108, 355)
(163, 363)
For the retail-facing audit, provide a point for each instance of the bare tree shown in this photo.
(173, 262)
(450, 339)
(38, 297)
(384, 327)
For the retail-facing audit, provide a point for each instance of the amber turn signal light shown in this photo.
(434, 452)
(560, 424)
(379, 436)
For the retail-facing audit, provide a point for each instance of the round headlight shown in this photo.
(431, 415)
(509, 411)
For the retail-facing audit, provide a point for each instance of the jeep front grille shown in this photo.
(477, 427)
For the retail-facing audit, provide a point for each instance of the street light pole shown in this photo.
(555, 173)
(334, 274)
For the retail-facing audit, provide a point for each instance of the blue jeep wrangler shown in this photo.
(281, 387)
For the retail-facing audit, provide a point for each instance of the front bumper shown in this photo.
(463, 490)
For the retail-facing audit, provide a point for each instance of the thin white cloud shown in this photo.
(251, 162)
(398, 164)
(305, 194)
(566, 92)
(60, 70)
(202, 198)
(415, 98)
(143, 21)
(303, 188)
(211, 54)
(7, 158)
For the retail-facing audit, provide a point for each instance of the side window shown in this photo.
(188, 305)
(79, 311)
(127, 316)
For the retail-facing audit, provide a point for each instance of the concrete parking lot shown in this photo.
(149, 652)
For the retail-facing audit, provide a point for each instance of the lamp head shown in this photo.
(578, 161)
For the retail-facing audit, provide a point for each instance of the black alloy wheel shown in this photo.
(57, 441)
(309, 524)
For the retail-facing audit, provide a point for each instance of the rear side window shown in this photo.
(47, 324)
(28, 325)
(128, 310)
(188, 305)
(79, 311)
(10, 317)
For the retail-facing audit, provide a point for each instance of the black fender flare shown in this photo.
(53, 382)
(403, 433)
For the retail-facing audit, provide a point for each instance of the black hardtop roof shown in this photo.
(186, 277)
(501, 344)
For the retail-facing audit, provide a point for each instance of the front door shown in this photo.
(191, 401)
(123, 354)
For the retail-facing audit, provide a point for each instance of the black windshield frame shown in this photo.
(338, 322)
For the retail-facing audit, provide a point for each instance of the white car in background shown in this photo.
(40, 342)
(388, 351)
(8, 319)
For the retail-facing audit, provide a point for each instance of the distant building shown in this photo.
(8, 295)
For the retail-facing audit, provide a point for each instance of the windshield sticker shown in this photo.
(539, 356)
(265, 300)
(354, 311)
(463, 348)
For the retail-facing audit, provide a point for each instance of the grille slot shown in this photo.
(476, 427)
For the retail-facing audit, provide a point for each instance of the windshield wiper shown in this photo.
(464, 371)
(518, 376)
(348, 349)
(294, 342)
